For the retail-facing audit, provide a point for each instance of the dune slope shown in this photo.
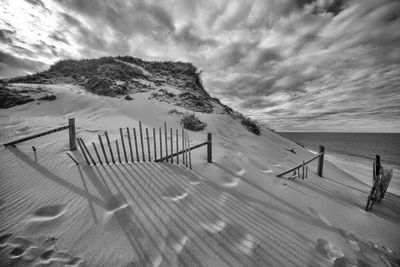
(232, 212)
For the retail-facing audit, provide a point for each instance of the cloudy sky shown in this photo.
(297, 65)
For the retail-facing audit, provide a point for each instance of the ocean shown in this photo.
(361, 145)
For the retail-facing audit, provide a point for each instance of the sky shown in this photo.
(295, 65)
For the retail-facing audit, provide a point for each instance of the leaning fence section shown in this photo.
(70, 127)
(301, 170)
(141, 144)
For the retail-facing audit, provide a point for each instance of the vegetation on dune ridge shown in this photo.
(113, 76)
(111, 72)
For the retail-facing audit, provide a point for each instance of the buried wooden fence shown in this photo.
(70, 127)
(144, 146)
(301, 170)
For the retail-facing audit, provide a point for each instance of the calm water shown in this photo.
(363, 145)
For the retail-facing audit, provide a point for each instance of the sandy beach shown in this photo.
(232, 212)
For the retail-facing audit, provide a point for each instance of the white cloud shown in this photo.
(297, 64)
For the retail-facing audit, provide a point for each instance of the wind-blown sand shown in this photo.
(233, 212)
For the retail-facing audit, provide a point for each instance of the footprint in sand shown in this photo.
(234, 182)
(241, 172)
(268, 171)
(240, 238)
(326, 249)
(47, 254)
(4, 238)
(17, 252)
(48, 213)
(175, 193)
(319, 216)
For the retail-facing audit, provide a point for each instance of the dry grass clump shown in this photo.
(192, 122)
(251, 125)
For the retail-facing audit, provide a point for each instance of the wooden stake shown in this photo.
(166, 143)
(177, 147)
(102, 148)
(72, 134)
(183, 146)
(148, 145)
(123, 144)
(303, 169)
(172, 146)
(141, 140)
(97, 153)
(160, 133)
(186, 152)
(71, 157)
(209, 148)
(130, 143)
(190, 153)
(87, 151)
(136, 146)
(119, 156)
(154, 144)
(109, 146)
(321, 161)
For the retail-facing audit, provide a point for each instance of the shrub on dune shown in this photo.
(191, 122)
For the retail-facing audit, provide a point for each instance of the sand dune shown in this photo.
(233, 212)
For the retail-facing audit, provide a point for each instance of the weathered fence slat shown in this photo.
(130, 143)
(97, 153)
(298, 166)
(136, 145)
(321, 160)
(102, 148)
(166, 143)
(172, 145)
(72, 135)
(190, 154)
(71, 157)
(154, 144)
(160, 133)
(141, 140)
(209, 147)
(119, 155)
(36, 136)
(123, 144)
(186, 152)
(177, 147)
(83, 152)
(183, 151)
(109, 146)
(183, 146)
(302, 171)
(88, 152)
(148, 144)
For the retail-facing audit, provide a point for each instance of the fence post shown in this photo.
(72, 135)
(321, 160)
(209, 148)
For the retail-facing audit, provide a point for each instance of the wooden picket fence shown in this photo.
(143, 145)
(301, 170)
